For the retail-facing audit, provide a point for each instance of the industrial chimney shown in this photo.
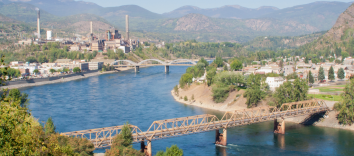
(127, 26)
(38, 24)
(91, 27)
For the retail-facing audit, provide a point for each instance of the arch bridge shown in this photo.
(162, 129)
(153, 62)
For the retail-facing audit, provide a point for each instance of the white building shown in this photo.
(49, 35)
(274, 82)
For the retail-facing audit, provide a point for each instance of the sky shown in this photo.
(163, 6)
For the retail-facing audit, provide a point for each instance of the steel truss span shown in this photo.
(162, 129)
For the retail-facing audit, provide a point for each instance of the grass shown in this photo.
(331, 88)
(326, 97)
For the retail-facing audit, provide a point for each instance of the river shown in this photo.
(112, 99)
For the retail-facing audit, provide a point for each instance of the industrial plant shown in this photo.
(111, 40)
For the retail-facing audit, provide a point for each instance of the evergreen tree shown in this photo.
(281, 64)
(49, 127)
(311, 79)
(321, 75)
(345, 107)
(340, 74)
(331, 74)
(225, 68)
(127, 135)
(122, 144)
(172, 151)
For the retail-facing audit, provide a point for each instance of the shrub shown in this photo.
(185, 98)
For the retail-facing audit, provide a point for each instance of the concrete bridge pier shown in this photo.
(221, 138)
(146, 149)
(136, 69)
(279, 127)
(167, 69)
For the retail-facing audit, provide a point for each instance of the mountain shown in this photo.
(340, 35)
(228, 23)
(60, 7)
(24, 12)
(228, 11)
(321, 15)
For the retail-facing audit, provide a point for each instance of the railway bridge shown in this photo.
(162, 129)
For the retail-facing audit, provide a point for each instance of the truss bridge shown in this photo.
(162, 129)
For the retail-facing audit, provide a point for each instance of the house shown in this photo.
(95, 65)
(274, 82)
(288, 70)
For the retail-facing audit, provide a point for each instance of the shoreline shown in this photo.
(62, 80)
(329, 121)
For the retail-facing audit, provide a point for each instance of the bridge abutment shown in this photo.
(167, 69)
(221, 138)
(136, 69)
(279, 127)
(146, 149)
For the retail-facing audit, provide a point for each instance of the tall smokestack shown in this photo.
(91, 27)
(127, 26)
(38, 23)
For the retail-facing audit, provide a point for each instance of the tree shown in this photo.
(236, 65)
(225, 68)
(281, 64)
(76, 70)
(219, 62)
(321, 75)
(345, 107)
(311, 79)
(185, 98)
(20, 133)
(291, 92)
(49, 127)
(210, 76)
(66, 70)
(340, 73)
(172, 151)
(52, 70)
(331, 74)
(202, 60)
(36, 71)
(254, 93)
(185, 79)
(175, 89)
(122, 144)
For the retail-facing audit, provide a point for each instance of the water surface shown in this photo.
(112, 99)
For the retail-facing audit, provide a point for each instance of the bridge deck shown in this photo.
(103, 137)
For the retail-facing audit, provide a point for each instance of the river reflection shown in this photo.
(141, 98)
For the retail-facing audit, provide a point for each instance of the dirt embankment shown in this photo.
(203, 98)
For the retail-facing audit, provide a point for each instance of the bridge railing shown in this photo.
(103, 137)
(247, 116)
(180, 126)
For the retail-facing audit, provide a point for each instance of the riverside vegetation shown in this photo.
(224, 82)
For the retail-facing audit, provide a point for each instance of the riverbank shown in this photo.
(203, 98)
(63, 80)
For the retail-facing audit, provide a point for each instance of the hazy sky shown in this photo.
(162, 6)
